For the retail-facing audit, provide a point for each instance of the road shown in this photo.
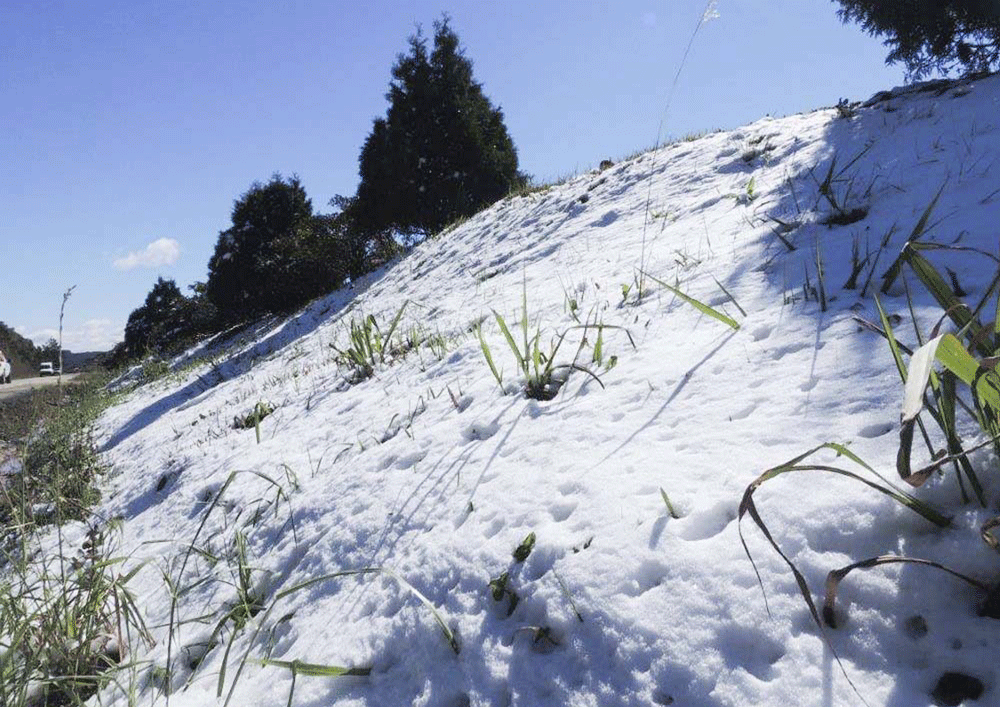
(18, 386)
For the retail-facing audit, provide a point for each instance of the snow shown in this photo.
(431, 470)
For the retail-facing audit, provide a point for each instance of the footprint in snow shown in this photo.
(606, 220)
(809, 384)
(750, 649)
(479, 431)
(561, 510)
(743, 413)
(707, 523)
(783, 351)
(761, 333)
(876, 430)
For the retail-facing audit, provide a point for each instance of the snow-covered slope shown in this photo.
(430, 470)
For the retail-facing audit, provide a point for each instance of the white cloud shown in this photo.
(92, 335)
(163, 251)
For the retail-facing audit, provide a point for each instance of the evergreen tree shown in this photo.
(441, 152)
(198, 314)
(932, 35)
(158, 322)
(361, 248)
(166, 321)
(50, 351)
(250, 252)
(305, 262)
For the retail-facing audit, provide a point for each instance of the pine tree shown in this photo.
(932, 35)
(441, 152)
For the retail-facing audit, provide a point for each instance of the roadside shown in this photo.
(25, 401)
(21, 386)
(63, 604)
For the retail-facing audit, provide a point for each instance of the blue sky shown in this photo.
(130, 127)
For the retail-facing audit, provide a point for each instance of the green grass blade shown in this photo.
(956, 359)
(260, 624)
(524, 314)
(700, 306)
(445, 629)
(941, 291)
(918, 230)
(392, 327)
(897, 265)
(489, 357)
(314, 669)
(891, 337)
(730, 296)
(996, 326)
(536, 355)
(174, 595)
(668, 504)
(521, 363)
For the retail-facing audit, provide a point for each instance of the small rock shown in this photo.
(954, 688)
(915, 627)
(991, 607)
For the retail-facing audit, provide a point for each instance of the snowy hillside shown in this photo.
(431, 473)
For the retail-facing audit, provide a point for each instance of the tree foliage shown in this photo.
(442, 151)
(23, 355)
(306, 261)
(50, 351)
(362, 249)
(275, 255)
(165, 321)
(155, 323)
(932, 35)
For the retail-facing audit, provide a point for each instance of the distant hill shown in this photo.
(73, 362)
(21, 352)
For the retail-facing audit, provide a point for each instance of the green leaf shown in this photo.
(956, 359)
(668, 504)
(392, 327)
(498, 586)
(918, 230)
(522, 551)
(941, 291)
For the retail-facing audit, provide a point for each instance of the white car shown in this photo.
(48, 369)
(4, 371)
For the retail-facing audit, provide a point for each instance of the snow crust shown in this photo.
(430, 469)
